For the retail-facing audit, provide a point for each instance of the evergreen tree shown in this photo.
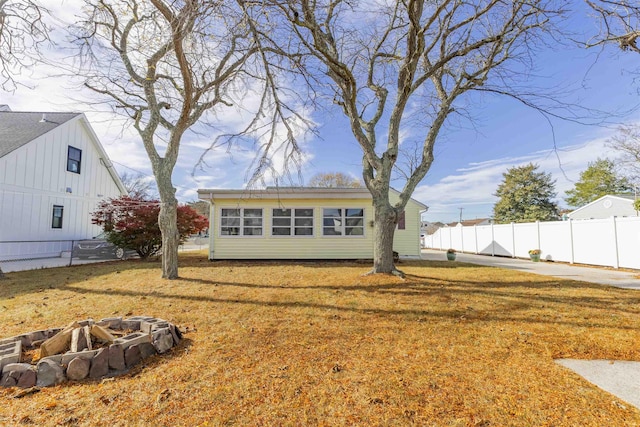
(599, 179)
(525, 195)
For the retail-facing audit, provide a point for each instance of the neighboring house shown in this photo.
(606, 207)
(470, 222)
(302, 223)
(53, 173)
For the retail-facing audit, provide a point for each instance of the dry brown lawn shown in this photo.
(296, 344)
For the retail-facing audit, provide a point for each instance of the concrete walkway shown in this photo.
(604, 276)
(618, 377)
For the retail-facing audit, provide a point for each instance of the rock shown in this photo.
(27, 379)
(17, 367)
(7, 380)
(49, 373)
(116, 357)
(78, 369)
(177, 335)
(146, 349)
(132, 355)
(163, 343)
(100, 364)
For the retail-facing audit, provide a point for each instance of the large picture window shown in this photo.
(342, 222)
(241, 222)
(56, 220)
(292, 222)
(74, 159)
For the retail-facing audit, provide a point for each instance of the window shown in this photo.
(241, 222)
(56, 220)
(343, 222)
(292, 222)
(402, 223)
(74, 157)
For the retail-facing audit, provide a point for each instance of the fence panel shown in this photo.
(555, 241)
(503, 240)
(594, 242)
(526, 238)
(485, 239)
(611, 242)
(628, 233)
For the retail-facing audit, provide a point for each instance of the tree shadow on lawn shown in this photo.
(518, 303)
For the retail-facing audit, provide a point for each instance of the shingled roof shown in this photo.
(18, 128)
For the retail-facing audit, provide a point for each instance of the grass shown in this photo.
(292, 344)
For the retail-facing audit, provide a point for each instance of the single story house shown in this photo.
(53, 174)
(302, 223)
(605, 207)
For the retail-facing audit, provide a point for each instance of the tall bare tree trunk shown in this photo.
(384, 227)
(168, 222)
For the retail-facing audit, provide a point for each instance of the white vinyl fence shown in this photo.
(612, 242)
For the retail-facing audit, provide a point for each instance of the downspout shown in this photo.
(212, 229)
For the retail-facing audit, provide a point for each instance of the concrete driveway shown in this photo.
(604, 276)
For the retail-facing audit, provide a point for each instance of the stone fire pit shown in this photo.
(85, 349)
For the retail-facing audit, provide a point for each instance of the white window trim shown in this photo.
(292, 226)
(344, 236)
(241, 235)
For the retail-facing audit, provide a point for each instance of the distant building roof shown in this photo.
(470, 222)
(18, 128)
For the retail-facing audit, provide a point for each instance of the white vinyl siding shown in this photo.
(34, 177)
(292, 222)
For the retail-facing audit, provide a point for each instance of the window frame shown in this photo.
(71, 161)
(241, 226)
(292, 223)
(57, 224)
(344, 226)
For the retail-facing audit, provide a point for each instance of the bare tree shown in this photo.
(619, 23)
(22, 30)
(627, 143)
(169, 65)
(139, 186)
(334, 179)
(406, 64)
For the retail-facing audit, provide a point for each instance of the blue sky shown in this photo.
(470, 156)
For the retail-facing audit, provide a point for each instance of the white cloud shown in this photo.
(472, 187)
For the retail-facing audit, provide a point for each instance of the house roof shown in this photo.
(18, 128)
(292, 193)
(607, 196)
(469, 222)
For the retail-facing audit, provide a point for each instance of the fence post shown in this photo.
(462, 238)
(570, 221)
(538, 231)
(513, 239)
(475, 235)
(71, 253)
(616, 261)
(493, 241)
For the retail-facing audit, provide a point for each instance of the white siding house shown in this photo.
(53, 173)
(606, 207)
(302, 223)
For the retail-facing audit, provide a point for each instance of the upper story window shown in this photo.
(241, 222)
(74, 158)
(56, 219)
(292, 222)
(342, 222)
